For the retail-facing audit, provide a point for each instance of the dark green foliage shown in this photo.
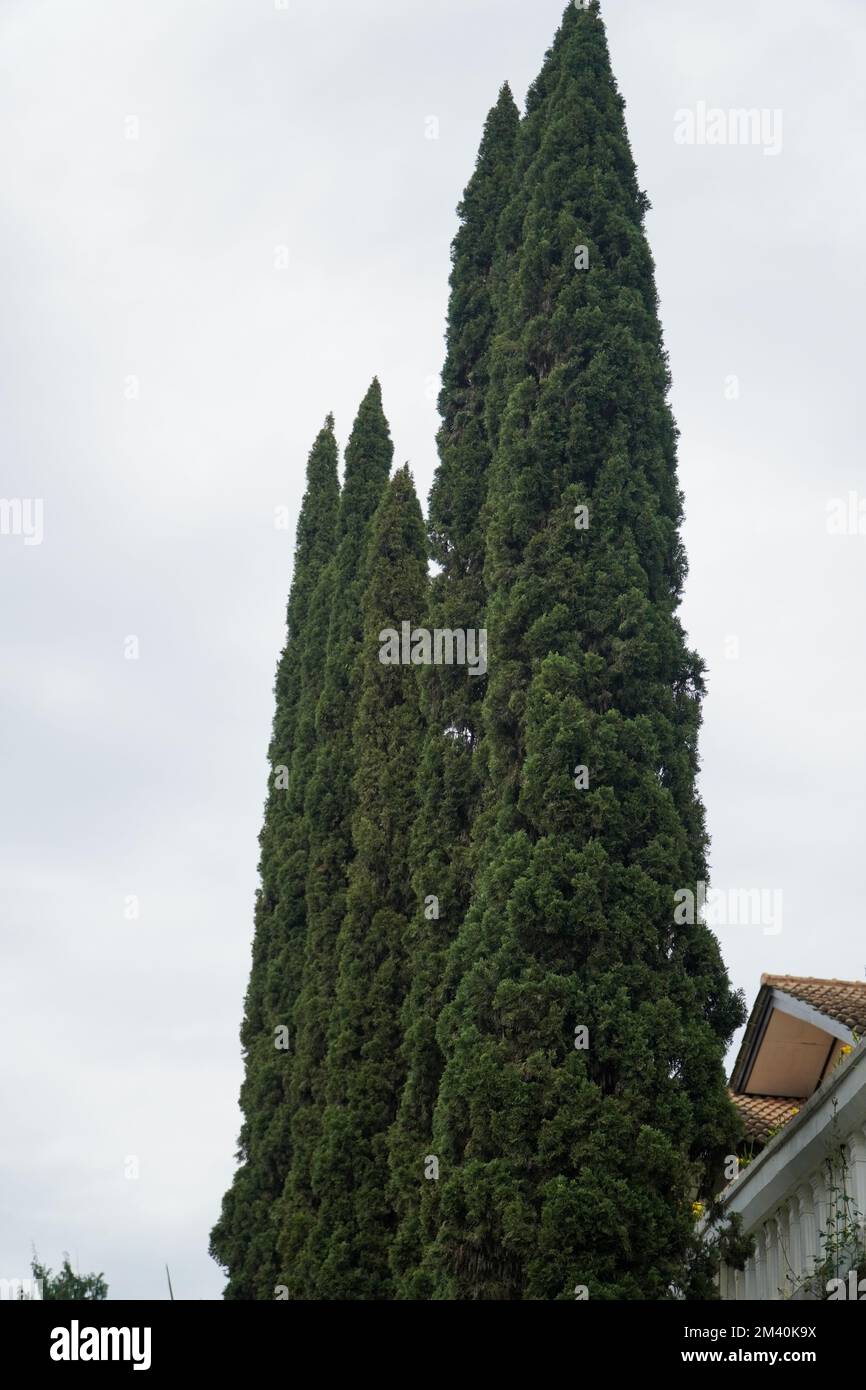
(328, 810)
(450, 781)
(555, 812)
(347, 1248)
(66, 1286)
(460, 486)
(720, 1241)
(564, 1167)
(243, 1240)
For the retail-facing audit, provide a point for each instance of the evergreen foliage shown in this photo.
(328, 810)
(505, 1078)
(566, 1165)
(450, 780)
(66, 1286)
(363, 1074)
(244, 1239)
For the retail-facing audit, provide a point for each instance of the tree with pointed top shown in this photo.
(244, 1239)
(583, 1095)
(328, 810)
(348, 1246)
(450, 782)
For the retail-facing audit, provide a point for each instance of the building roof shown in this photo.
(763, 1115)
(797, 1031)
(842, 1000)
(795, 1026)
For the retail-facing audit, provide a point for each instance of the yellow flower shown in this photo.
(697, 1210)
(846, 1049)
(796, 1110)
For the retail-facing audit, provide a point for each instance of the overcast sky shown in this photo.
(218, 220)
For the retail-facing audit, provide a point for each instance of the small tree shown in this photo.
(67, 1286)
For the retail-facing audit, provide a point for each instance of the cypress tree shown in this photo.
(583, 1094)
(328, 811)
(348, 1246)
(244, 1239)
(449, 781)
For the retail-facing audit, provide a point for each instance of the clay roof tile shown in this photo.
(842, 1000)
(763, 1115)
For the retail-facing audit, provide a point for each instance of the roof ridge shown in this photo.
(813, 980)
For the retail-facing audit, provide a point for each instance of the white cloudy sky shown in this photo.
(154, 258)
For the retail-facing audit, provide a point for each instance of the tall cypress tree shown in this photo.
(244, 1238)
(583, 1093)
(349, 1243)
(449, 782)
(328, 810)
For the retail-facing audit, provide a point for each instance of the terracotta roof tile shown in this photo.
(761, 1115)
(842, 1000)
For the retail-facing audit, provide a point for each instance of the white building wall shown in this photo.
(784, 1195)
